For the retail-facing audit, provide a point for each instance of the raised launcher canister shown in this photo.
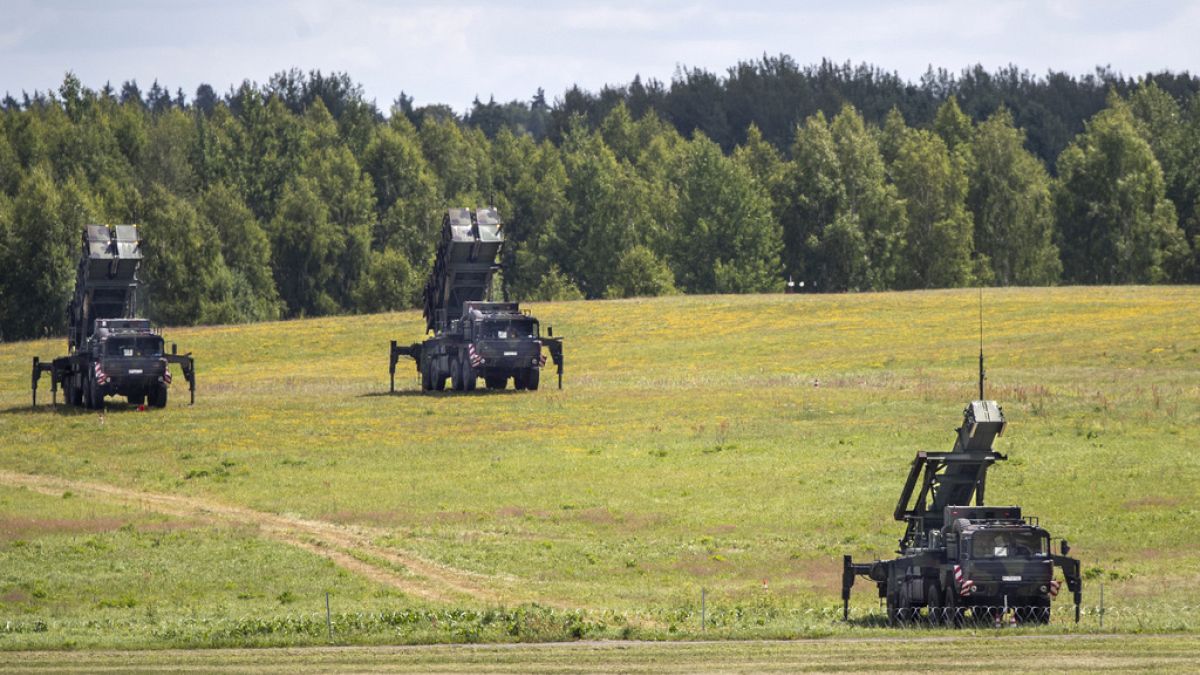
(958, 561)
(474, 337)
(109, 350)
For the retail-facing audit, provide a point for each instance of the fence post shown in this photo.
(1101, 604)
(703, 610)
(328, 618)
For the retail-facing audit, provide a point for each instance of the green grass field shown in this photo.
(1124, 653)
(739, 445)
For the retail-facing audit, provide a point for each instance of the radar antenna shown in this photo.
(981, 373)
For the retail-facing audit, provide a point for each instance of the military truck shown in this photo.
(474, 337)
(111, 352)
(958, 559)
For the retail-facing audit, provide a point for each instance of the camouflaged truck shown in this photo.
(960, 561)
(111, 352)
(474, 338)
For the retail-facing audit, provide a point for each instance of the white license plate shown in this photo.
(135, 371)
(510, 353)
(1010, 578)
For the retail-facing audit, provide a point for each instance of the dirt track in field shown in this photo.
(349, 547)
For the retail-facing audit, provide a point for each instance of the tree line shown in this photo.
(298, 197)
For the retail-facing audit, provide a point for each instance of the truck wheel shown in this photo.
(519, 380)
(456, 378)
(439, 378)
(532, 377)
(158, 397)
(426, 375)
(950, 607)
(935, 613)
(893, 616)
(92, 398)
(904, 607)
(469, 376)
(496, 381)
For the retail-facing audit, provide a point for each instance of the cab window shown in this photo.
(134, 346)
(1009, 544)
(510, 330)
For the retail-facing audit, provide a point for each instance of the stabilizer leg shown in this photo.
(395, 355)
(188, 365)
(556, 354)
(847, 583)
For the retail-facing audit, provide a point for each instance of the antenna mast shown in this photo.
(981, 375)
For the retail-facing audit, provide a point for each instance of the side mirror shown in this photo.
(1065, 547)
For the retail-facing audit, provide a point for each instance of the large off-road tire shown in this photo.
(158, 396)
(469, 376)
(904, 607)
(934, 611)
(893, 615)
(496, 381)
(72, 392)
(456, 378)
(439, 378)
(953, 611)
(426, 375)
(532, 378)
(92, 398)
(519, 382)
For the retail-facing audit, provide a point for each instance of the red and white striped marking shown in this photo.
(476, 359)
(965, 586)
(166, 376)
(542, 360)
(1054, 586)
(101, 376)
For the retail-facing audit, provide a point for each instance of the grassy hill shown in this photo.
(739, 445)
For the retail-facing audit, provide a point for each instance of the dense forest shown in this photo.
(299, 197)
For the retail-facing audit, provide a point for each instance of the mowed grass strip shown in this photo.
(982, 653)
(735, 444)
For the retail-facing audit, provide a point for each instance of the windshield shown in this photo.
(1004, 544)
(510, 330)
(134, 346)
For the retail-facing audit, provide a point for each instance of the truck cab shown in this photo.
(503, 341)
(129, 361)
(1000, 560)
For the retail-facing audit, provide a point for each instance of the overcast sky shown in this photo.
(451, 52)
